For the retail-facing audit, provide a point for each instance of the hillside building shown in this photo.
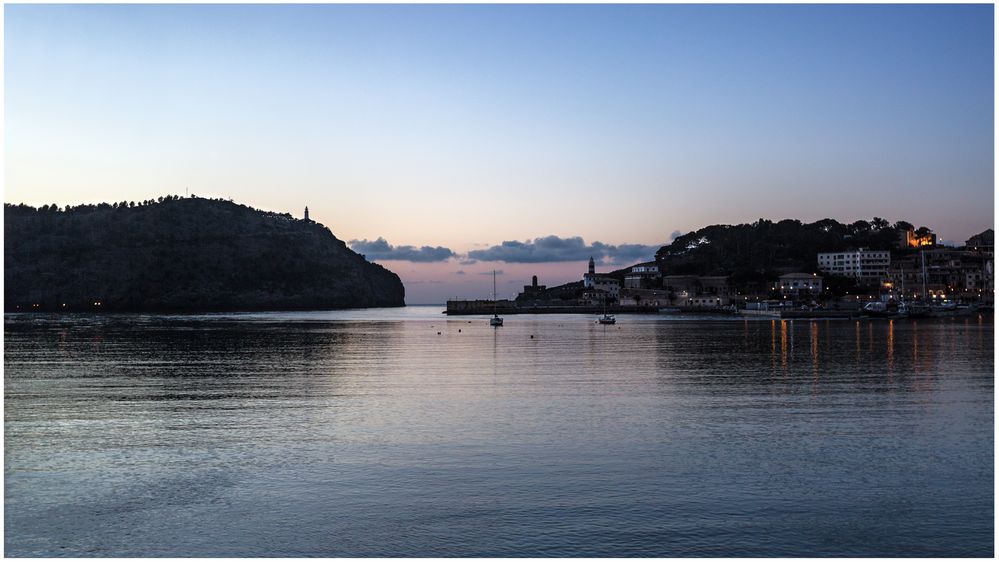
(643, 276)
(909, 239)
(868, 267)
(533, 290)
(983, 242)
(595, 283)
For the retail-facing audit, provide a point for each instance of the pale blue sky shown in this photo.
(465, 126)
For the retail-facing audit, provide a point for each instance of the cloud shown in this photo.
(498, 272)
(676, 234)
(460, 272)
(556, 249)
(631, 253)
(381, 250)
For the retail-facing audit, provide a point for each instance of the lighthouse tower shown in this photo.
(592, 267)
(306, 214)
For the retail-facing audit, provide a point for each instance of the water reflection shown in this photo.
(316, 437)
(857, 339)
(773, 346)
(891, 348)
(814, 339)
(783, 347)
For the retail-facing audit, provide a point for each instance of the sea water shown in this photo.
(402, 432)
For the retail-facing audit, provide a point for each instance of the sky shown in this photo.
(449, 141)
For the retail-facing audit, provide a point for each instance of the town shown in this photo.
(916, 272)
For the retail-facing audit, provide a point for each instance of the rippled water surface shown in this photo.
(404, 433)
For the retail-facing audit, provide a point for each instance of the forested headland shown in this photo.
(182, 254)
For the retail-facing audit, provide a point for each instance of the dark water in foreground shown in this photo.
(366, 433)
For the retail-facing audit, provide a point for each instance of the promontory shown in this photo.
(182, 254)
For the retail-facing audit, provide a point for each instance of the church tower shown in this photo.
(306, 214)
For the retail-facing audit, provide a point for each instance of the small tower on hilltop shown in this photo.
(592, 266)
(306, 214)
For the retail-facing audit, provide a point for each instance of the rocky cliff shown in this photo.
(182, 254)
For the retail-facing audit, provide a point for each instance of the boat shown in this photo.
(606, 318)
(881, 309)
(495, 321)
(950, 308)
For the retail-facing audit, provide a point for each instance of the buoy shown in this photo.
(438, 333)
(459, 330)
(532, 336)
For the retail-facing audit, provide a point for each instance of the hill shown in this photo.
(763, 249)
(182, 254)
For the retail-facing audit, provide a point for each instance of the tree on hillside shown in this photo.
(756, 252)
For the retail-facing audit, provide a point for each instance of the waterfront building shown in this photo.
(868, 267)
(643, 297)
(983, 244)
(949, 273)
(705, 301)
(799, 285)
(697, 290)
(714, 285)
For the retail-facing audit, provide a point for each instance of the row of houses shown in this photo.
(937, 272)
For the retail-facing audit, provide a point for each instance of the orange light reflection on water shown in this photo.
(783, 346)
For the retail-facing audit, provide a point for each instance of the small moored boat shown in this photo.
(495, 320)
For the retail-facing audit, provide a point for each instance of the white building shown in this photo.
(643, 275)
(869, 267)
(603, 283)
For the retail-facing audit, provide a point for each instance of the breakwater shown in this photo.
(464, 307)
(790, 314)
(508, 307)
